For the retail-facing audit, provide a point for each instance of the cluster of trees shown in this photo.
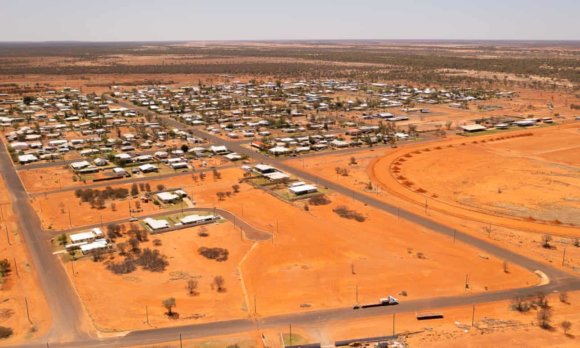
(544, 313)
(319, 200)
(218, 254)
(348, 213)
(341, 171)
(222, 195)
(148, 259)
(97, 198)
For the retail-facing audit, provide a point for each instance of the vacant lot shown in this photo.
(141, 292)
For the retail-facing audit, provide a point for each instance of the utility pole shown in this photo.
(564, 256)
(467, 281)
(7, 235)
(69, 219)
(16, 268)
(255, 306)
(393, 324)
(27, 311)
(473, 315)
(180, 341)
(147, 314)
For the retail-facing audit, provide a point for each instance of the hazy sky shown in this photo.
(162, 20)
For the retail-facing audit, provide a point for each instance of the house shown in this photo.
(279, 150)
(526, 123)
(156, 225)
(23, 159)
(277, 176)
(99, 244)
(148, 168)
(472, 128)
(264, 169)
(100, 162)
(79, 165)
(19, 146)
(219, 150)
(299, 190)
(118, 171)
(198, 219)
(179, 165)
(86, 237)
(167, 197)
(233, 156)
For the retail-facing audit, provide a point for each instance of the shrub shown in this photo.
(521, 304)
(5, 332)
(319, 200)
(123, 267)
(218, 254)
(152, 260)
(347, 213)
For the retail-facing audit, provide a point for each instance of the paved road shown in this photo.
(559, 280)
(64, 304)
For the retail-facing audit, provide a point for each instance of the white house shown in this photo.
(87, 236)
(167, 197)
(156, 225)
(303, 189)
(23, 159)
(148, 168)
(198, 219)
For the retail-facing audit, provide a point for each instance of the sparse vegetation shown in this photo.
(218, 254)
(347, 213)
(5, 332)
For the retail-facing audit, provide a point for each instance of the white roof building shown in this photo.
(96, 245)
(156, 224)
(27, 158)
(86, 236)
(303, 189)
(197, 219)
(167, 196)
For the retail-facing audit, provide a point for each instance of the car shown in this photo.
(133, 219)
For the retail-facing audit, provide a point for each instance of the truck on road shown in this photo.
(385, 301)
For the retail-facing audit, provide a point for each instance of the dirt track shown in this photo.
(383, 171)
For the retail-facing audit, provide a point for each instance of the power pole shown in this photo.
(467, 281)
(473, 315)
(27, 311)
(7, 235)
(564, 256)
(180, 341)
(147, 314)
(393, 324)
(16, 268)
